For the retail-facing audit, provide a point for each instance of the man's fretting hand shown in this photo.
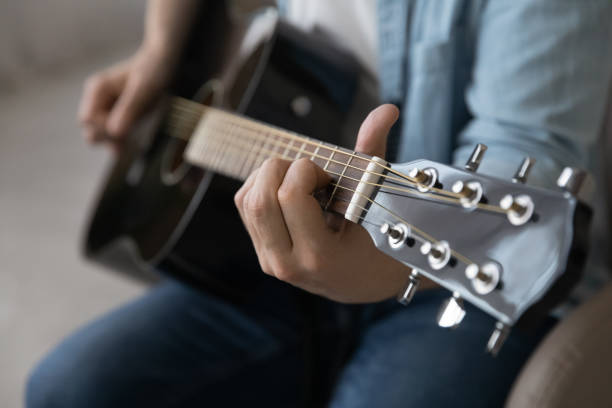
(294, 239)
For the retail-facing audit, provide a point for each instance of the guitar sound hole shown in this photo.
(173, 166)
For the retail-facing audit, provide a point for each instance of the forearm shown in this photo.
(167, 25)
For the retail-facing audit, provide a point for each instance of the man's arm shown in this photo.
(114, 98)
(540, 86)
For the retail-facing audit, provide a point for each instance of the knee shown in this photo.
(43, 388)
(54, 383)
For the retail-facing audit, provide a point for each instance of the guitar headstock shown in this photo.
(500, 245)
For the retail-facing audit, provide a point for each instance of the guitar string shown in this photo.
(284, 134)
(201, 109)
(179, 119)
(252, 125)
(417, 194)
(234, 141)
(424, 236)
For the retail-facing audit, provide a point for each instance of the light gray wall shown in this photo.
(46, 36)
(49, 176)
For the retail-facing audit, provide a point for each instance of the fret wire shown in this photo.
(243, 167)
(315, 152)
(338, 182)
(238, 158)
(331, 156)
(260, 157)
(286, 151)
(235, 159)
(208, 146)
(256, 154)
(277, 146)
(224, 140)
(301, 150)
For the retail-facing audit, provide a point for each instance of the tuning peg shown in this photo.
(498, 338)
(571, 180)
(425, 179)
(451, 312)
(476, 157)
(523, 171)
(518, 209)
(484, 278)
(407, 294)
(399, 234)
(438, 254)
(470, 193)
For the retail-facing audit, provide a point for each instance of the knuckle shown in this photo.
(277, 266)
(255, 205)
(273, 162)
(303, 166)
(238, 198)
(286, 193)
(313, 262)
(265, 266)
(286, 273)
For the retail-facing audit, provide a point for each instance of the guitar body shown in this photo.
(158, 214)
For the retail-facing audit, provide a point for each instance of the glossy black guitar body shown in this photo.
(189, 227)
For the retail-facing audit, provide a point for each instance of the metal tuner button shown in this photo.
(451, 312)
(406, 295)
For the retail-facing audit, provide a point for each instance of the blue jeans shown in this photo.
(176, 346)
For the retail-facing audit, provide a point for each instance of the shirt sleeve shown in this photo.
(540, 85)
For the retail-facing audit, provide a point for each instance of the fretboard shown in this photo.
(235, 146)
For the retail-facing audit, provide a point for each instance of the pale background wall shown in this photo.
(48, 175)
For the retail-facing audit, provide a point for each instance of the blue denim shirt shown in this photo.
(524, 77)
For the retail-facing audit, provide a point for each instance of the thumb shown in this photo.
(372, 137)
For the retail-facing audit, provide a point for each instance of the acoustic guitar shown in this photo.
(510, 249)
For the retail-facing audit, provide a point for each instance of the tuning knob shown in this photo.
(438, 254)
(406, 295)
(425, 179)
(476, 157)
(518, 209)
(498, 338)
(571, 180)
(484, 278)
(398, 234)
(523, 171)
(451, 312)
(470, 193)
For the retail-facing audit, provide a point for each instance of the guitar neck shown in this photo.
(235, 146)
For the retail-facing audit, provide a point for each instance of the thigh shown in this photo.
(405, 360)
(173, 347)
